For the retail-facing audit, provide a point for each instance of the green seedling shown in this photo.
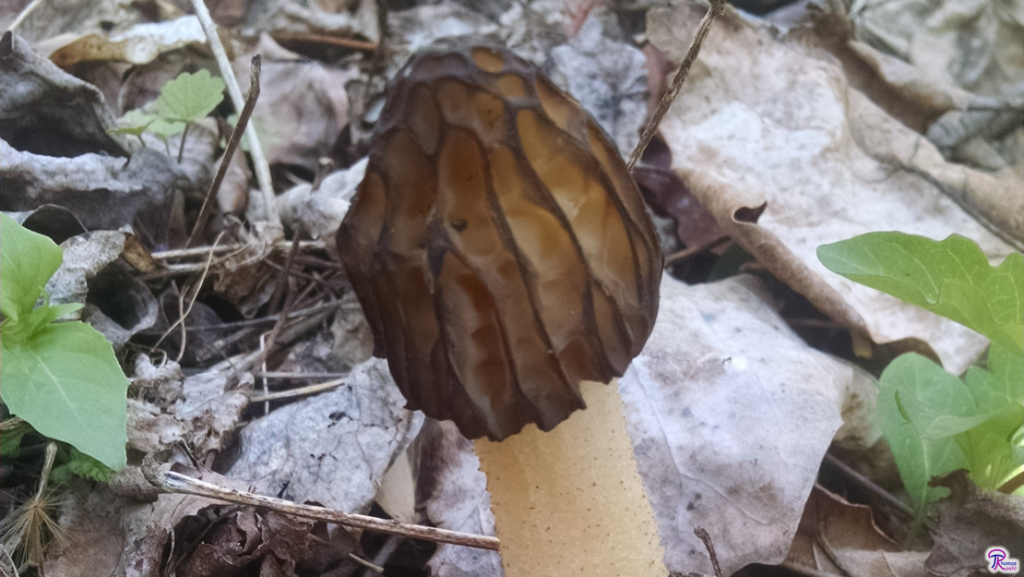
(182, 101)
(936, 422)
(60, 377)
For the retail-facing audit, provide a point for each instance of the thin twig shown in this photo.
(370, 566)
(169, 481)
(292, 375)
(202, 250)
(385, 553)
(710, 546)
(229, 151)
(714, 11)
(301, 391)
(324, 39)
(259, 160)
(868, 485)
(183, 314)
(691, 251)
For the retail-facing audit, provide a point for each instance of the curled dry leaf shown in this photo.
(728, 434)
(140, 44)
(116, 304)
(839, 538)
(105, 192)
(47, 111)
(320, 212)
(242, 277)
(452, 491)
(201, 410)
(498, 246)
(763, 122)
(332, 448)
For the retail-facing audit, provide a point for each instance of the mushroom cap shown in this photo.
(498, 245)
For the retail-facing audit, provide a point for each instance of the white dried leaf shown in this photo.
(730, 414)
(332, 448)
(761, 121)
(452, 491)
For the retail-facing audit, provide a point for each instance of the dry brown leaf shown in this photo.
(838, 538)
(730, 415)
(762, 122)
(302, 108)
(969, 521)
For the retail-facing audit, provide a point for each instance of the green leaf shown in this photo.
(190, 97)
(135, 122)
(951, 277)
(10, 440)
(165, 129)
(922, 388)
(65, 381)
(27, 261)
(81, 465)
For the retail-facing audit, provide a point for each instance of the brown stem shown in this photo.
(714, 11)
(229, 152)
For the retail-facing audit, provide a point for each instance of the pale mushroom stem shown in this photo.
(570, 501)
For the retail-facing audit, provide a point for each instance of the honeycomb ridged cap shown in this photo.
(498, 245)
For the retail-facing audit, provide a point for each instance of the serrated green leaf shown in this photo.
(27, 261)
(922, 386)
(190, 97)
(134, 122)
(951, 277)
(81, 465)
(65, 381)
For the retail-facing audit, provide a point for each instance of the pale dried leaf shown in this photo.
(839, 538)
(48, 111)
(452, 491)
(320, 213)
(332, 448)
(728, 433)
(762, 121)
(140, 44)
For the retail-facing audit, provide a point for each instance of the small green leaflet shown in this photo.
(63, 378)
(909, 382)
(134, 122)
(28, 260)
(951, 277)
(190, 97)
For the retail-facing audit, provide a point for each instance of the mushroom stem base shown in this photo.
(570, 501)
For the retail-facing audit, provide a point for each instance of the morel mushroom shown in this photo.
(498, 246)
